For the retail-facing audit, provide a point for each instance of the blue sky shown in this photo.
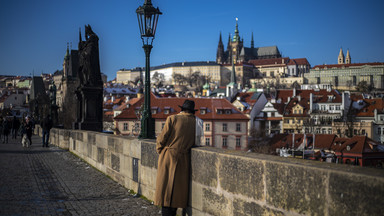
(34, 34)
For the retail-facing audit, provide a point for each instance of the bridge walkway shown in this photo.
(52, 181)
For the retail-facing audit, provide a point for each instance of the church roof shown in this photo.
(260, 51)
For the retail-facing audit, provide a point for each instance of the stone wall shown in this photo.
(227, 182)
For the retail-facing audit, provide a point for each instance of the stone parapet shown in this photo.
(227, 182)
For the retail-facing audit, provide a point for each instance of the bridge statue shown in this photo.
(90, 90)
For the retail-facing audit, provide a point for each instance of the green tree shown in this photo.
(364, 87)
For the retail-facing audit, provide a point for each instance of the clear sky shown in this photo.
(34, 33)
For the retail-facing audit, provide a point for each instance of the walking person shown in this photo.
(15, 127)
(23, 134)
(28, 128)
(6, 130)
(173, 146)
(46, 125)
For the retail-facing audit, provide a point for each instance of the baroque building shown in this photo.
(347, 75)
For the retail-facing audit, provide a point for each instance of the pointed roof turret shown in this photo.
(348, 58)
(220, 51)
(340, 59)
(233, 74)
(252, 42)
(66, 57)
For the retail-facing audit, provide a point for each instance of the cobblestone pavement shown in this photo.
(52, 181)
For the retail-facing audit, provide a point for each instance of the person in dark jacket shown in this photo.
(6, 130)
(46, 125)
(15, 127)
(28, 128)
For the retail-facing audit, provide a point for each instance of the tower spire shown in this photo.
(340, 59)
(220, 51)
(236, 37)
(348, 58)
(252, 42)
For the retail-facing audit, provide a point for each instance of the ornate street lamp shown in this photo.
(147, 15)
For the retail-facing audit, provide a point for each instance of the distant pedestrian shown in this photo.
(28, 128)
(173, 146)
(23, 134)
(46, 125)
(6, 130)
(15, 127)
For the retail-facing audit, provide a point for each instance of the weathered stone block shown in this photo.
(100, 155)
(204, 167)
(240, 175)
(242, 208)
(89, 150)
(352, 194)
(91, 138)
(296, 188)
(149, 156)
(115, 162)
(215, 204)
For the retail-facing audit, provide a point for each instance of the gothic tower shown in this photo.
(236, 44)
(66, 63)
(220, 52)
(348, 58)
(340, 59)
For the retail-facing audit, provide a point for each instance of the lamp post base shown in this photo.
(147, 128)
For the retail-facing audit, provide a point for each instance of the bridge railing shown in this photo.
(228, 182)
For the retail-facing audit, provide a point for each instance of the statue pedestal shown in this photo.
(91, 109)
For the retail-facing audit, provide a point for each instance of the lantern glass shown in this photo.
(147, 17)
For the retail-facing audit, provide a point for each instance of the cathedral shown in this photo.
(236, 51)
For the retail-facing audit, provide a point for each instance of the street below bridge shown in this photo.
(53, 181)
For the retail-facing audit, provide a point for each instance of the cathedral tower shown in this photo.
(340, 59)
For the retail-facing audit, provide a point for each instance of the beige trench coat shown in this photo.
(173, 146)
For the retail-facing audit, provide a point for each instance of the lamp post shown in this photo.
(147, 15)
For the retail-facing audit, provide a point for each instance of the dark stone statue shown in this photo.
(89, 93)
(89, 71)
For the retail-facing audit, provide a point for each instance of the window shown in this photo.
(286, 121)
(238, 141)
(379, 131)
(338, 107)
(363, 132)
(331, 107)
(272, 114)
(338, 131)
(299, 111)
(294, 111)
(125, 126)
(323, 131)
(202, 111)
(238, 127)
(228, 111)
(225, 142)
(329, 131)
(166, 111)
(225, 127)
(207, 127)
(207, 141)
(154, 111)
(355, 132)
(317, 130)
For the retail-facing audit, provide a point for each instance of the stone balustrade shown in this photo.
(227, 182)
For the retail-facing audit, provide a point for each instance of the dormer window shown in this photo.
(154, 110)
(219, 110)
(203, 110)
(167, 110)
(228, 111)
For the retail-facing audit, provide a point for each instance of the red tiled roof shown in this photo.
(298, 61)
(211, 104)
(348, 65)
(369, 109)
(322, 141)
(357, 145)
(320, 96)
(271, 61)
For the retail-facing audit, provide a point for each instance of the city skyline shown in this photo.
(35, 34)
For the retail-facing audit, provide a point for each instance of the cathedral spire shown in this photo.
(252, 42)
(236, 37)
(220, 51)
(340, 59)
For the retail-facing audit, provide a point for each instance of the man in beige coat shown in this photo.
(173, 146)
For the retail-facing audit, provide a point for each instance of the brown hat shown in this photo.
(188, 105)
